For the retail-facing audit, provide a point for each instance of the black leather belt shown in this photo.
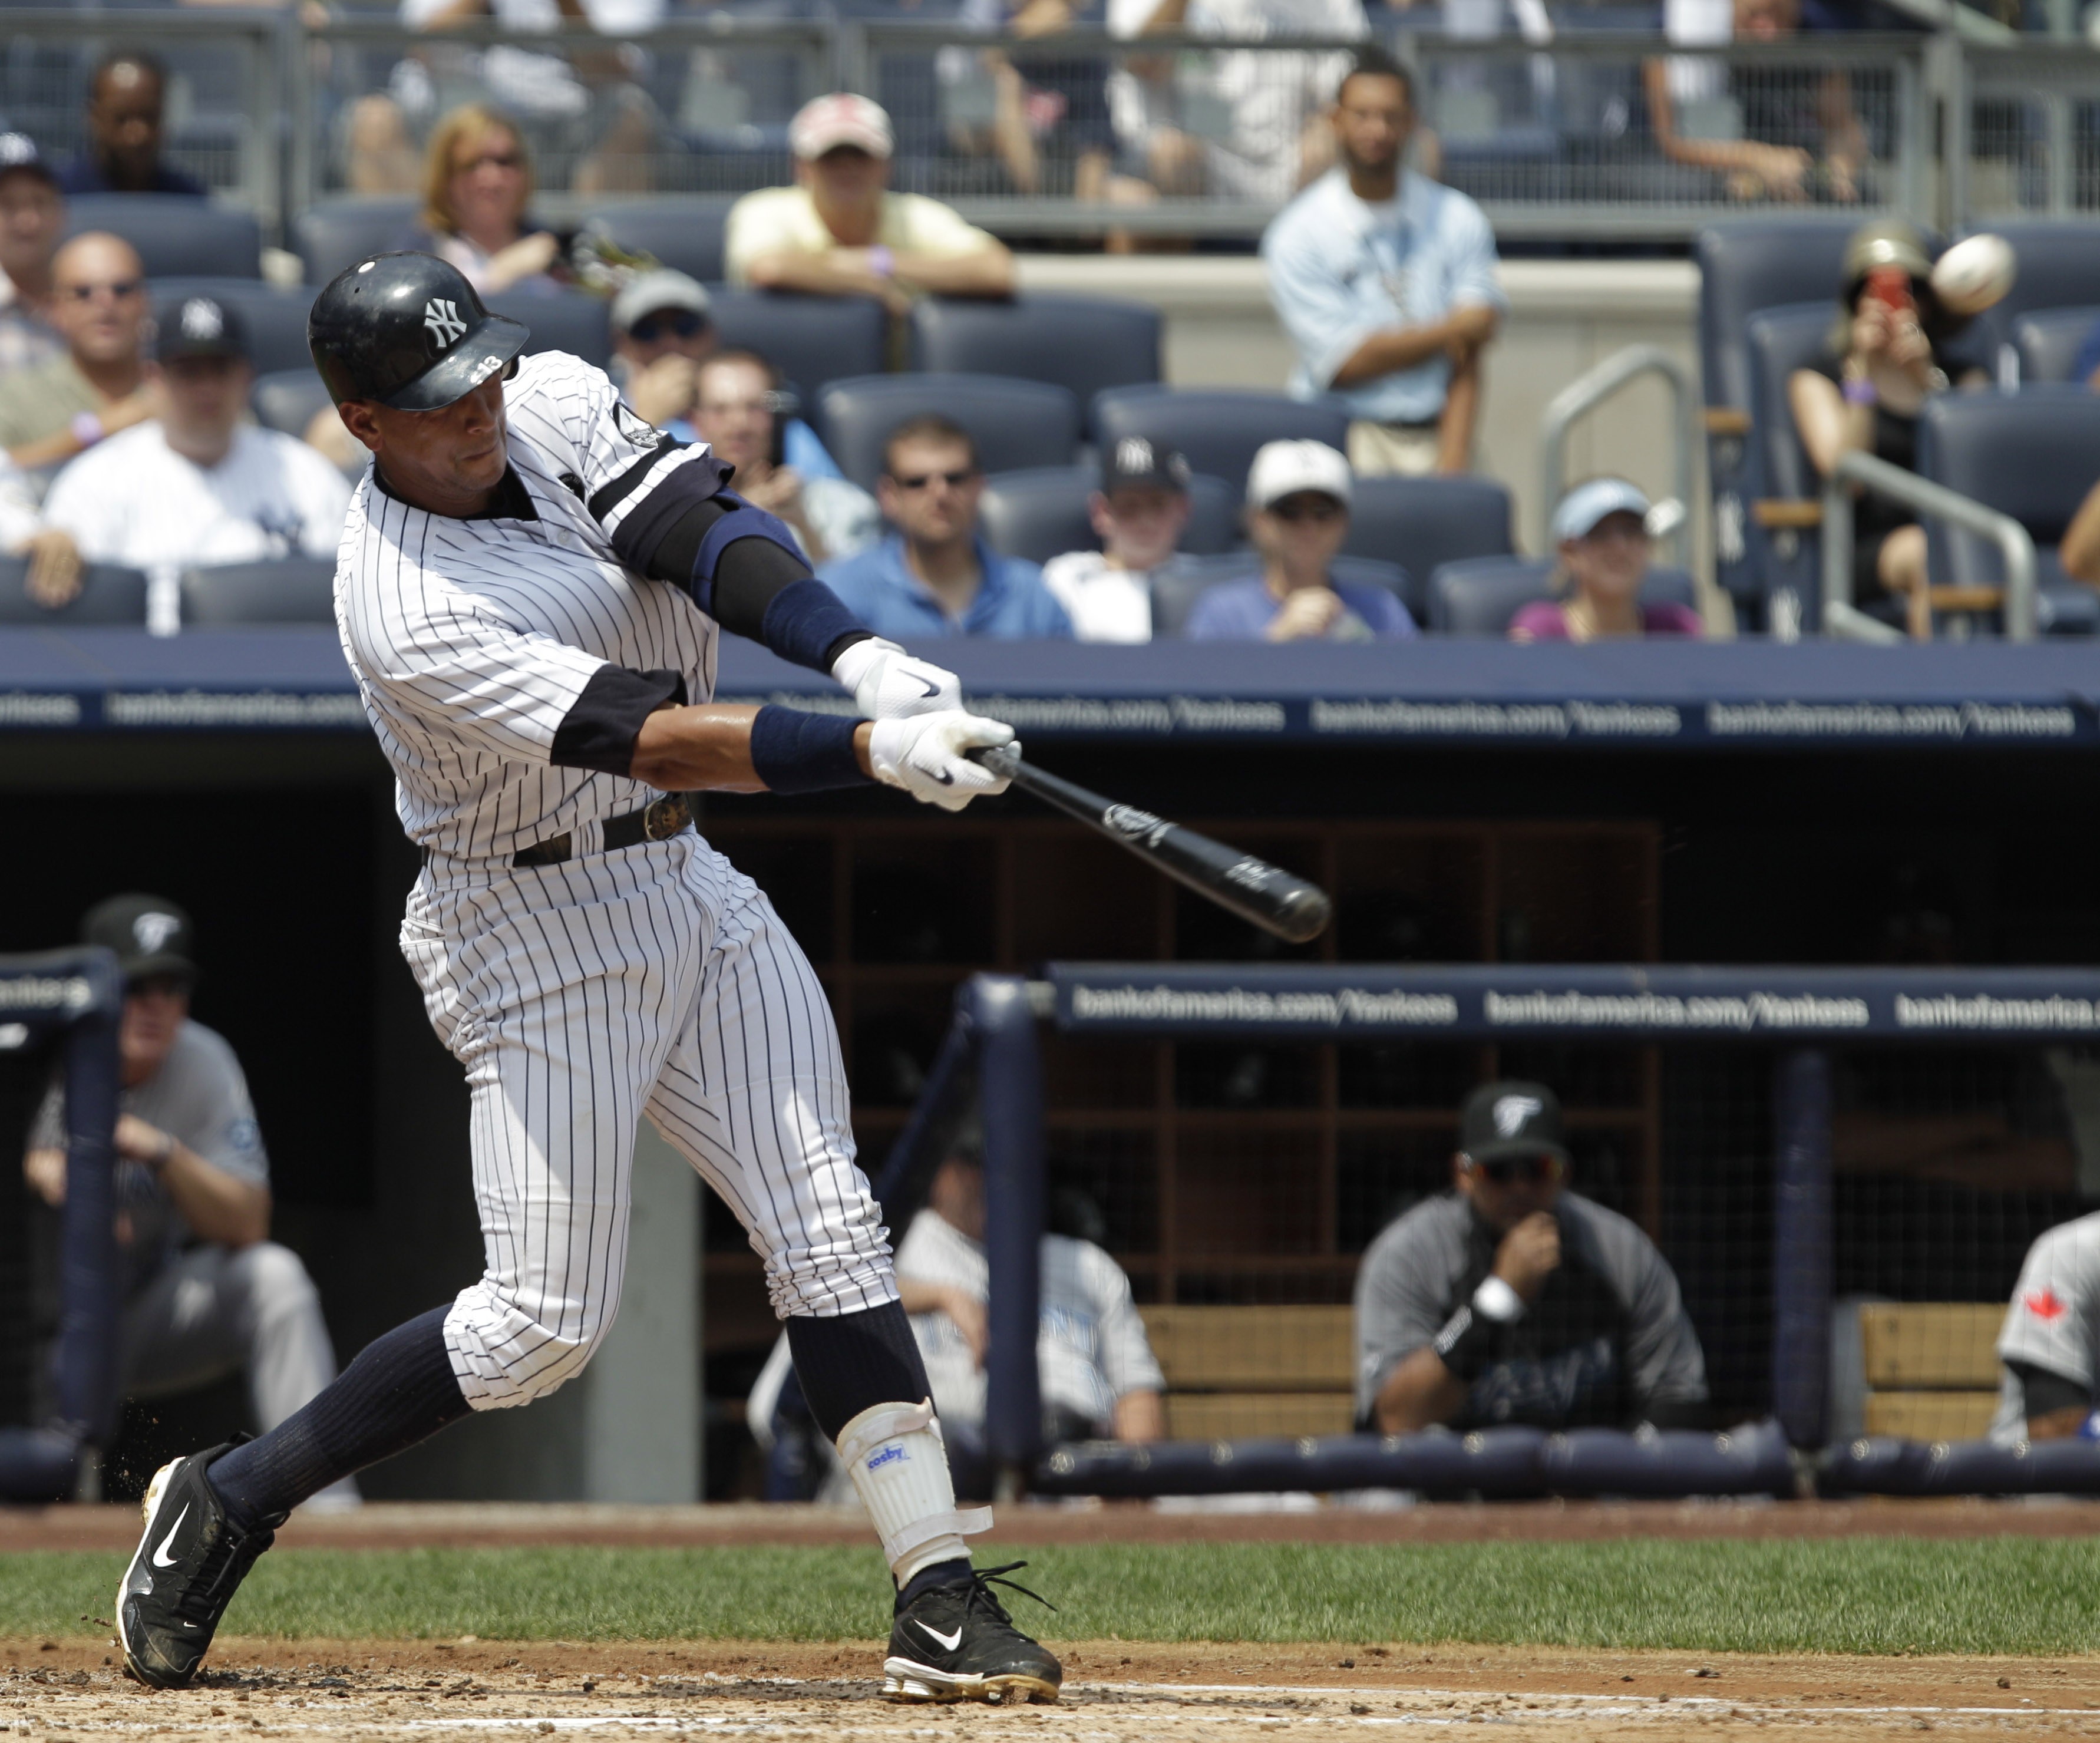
(658, 821)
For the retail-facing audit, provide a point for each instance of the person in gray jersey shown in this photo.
(1513, 1301)
(2051, 1326)
(207, 1292)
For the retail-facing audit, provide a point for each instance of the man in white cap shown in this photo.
(1298, 514)
(840, 232)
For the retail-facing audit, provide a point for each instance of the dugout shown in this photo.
(1470, 803)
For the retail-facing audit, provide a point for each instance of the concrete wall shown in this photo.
(1565, 316)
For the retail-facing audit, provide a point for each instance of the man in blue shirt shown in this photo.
(124, 99)
(934, 575)
(1386, 283)
(1298, 515)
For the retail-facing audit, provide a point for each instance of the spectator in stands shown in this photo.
(102, 384)
(32, 219)
(1298, 516)
(1771, 132)
(934, 575)
(206, 1291)
(1277, 140)
(840, 232)
(477, 184)
(1885, 359)
(1600, 532)
(126, 95)
(738, 413)
(1511, 1299)
(2080, 552)
(1386, 283)
(2052, 1329)
(1139, 514)
(199, 483)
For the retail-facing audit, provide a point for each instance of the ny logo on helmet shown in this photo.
(1512, 1111)
(441, 316)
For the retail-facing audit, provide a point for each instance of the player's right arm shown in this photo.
(2046, 1341)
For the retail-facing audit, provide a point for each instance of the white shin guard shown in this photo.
(900, 1469)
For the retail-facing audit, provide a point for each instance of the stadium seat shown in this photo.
(683, 231)
(276, 320)
(1784, 515)
(1176, 588)
(1480, 595)
(1421, 523)
(1042, 513)
(339, 233)
(1015, 424)
(174, 236)
(108, 595)
(2059, 264)
(2031, 455)
(809, 340)
(287, 399)
(1087, 344)
(1218, 430)
(282, 590)
(573, 321)
(2048, 340)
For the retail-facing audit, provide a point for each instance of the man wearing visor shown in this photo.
(1510, 1300)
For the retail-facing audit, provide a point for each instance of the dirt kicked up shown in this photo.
(1115, 1692)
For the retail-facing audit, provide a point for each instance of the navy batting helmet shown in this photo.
(408, 331)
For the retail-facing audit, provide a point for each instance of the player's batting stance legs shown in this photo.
(530, 590)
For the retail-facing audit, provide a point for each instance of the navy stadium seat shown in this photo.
(1087, 344)
(571, 320)
(1779, 342)
(1480, 595)
(174, 236)
(2048, 340)
(1421, 523)
(287, 399)
(339, 233)
(276, 320)
(1218, 430)
(2031, 455)
(809, 340)
(683, 231)
(1176, 588)
(108, 595)
(2058, 266)
(280, 590)
(1042, 513)
(1015, 424)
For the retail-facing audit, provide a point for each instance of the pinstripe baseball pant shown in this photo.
(580, 997)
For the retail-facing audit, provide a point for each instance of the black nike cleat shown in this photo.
(190, 1562)
(956, 1642)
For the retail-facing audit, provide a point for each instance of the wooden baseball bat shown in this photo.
(1255, 890)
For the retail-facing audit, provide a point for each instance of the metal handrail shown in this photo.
(1844, 620)
(1583, 396)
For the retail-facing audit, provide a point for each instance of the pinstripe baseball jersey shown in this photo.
(473, 641)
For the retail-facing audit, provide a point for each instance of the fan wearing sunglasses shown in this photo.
(104, 382)
(1297, 518)
(1511, 1299)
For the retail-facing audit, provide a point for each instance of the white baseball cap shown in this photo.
(647, 293)
(1283, 469)
(1586, 505)
(841, 119)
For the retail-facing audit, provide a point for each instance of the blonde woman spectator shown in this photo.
(1600, 533)
(477, 184)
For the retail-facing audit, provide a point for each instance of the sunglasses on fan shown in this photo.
(1507, 1171)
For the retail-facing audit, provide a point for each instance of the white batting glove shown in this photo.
(888, 684)
(923, 755)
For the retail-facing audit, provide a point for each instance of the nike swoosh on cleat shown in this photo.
(951, 1641)
(162, 1558)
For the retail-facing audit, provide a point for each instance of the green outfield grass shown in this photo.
(1884, 1594)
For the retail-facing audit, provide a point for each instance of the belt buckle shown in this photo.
(665, 818)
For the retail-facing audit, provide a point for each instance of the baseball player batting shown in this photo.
(530, 589)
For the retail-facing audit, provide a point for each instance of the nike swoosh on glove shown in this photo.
(888, 684)
(923, 755)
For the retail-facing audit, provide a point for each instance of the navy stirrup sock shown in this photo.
(399, 1390)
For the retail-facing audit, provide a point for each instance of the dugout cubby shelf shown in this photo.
(1220, 1173)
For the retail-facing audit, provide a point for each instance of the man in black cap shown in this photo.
(1139, 514)
(32, 217)
(1511, 1299)
(197, 485)
(207, 1292)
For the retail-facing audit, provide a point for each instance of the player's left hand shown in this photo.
(888, 684)
(923, 755)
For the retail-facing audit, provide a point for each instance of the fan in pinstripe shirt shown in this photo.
(531, 586)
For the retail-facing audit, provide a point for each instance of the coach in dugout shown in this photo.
(1513, 1301)
(207, 1292)
(2046, 1346)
